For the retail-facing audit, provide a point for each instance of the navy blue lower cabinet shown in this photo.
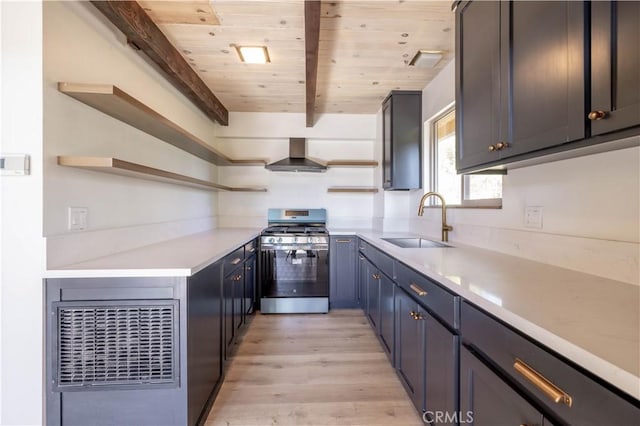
(228, 330)
(249, 285)
(441, 374)
(363, 278)
(204, 337)
(343, 288)
(373, 296)
(410, 347)
(486, 400)
(386, 319)
(426, 359)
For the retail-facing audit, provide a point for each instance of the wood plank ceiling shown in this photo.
(365, 48)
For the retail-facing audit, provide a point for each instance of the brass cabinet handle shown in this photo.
(236, 261)
(416, 315)
(492, 148)
(252, 250)
(361, 257)
(596, 115)
(375, 276)
(417, 289)
(362, 248)
(248, 268)
(556, 394)
(237, 277)
(501, 145)
(343, 241)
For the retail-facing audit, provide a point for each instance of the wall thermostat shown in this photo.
(14, 165)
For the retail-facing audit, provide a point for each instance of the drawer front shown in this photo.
(436, 299)
(233, 260)
(250, 248)
(534, 368)
(381, 260)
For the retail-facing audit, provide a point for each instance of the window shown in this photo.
(457, 190)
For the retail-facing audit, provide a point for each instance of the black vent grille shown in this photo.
(116, 345)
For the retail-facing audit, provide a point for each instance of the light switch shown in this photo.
(533, 217)
(14, 165)
(78, 218)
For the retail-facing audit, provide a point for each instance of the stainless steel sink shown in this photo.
(415, 242)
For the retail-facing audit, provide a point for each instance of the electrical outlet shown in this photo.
(533, 217)
(78, 218)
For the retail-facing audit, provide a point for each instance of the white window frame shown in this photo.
(487, 203)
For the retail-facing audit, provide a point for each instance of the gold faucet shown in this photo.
(445, 228)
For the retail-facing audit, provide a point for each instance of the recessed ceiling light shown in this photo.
(253, 54)
(426, 58)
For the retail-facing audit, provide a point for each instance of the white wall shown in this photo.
(81, 46)
(591, 207)
(266, 135)
(22, 252)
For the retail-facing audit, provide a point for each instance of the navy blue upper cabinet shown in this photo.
(520, 72)
(615, 66)
(402, 140)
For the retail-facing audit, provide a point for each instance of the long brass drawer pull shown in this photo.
(252, 250)
(416, 288)
(361, 257)
(236, 261)
(538, 380)
(343, 241)
(416, 315)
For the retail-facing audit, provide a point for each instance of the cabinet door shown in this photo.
(386, 326)
(615, 65)
(229, 330)
(486, 400)
(387, 154)
(479, 95)
(373, 297)
(204, 337)
(238, 297)
(363, 277)
(410, 347)
(441, 369)
(249, 284)
(342, 291)
(402, 140)
(543, 47)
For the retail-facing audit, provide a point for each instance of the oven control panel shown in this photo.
(288, 242)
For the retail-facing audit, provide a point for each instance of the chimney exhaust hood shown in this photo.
(297, 160)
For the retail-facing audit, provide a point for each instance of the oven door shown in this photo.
(294, 280)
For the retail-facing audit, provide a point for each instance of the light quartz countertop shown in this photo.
(593, 321)
(180, 257)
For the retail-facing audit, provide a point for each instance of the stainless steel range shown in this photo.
(294, 254)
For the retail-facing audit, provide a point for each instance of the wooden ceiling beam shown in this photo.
(143, 34)
(311, 43)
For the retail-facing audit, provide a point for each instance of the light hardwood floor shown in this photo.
(311, 370)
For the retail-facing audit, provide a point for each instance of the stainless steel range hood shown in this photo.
(297, 160)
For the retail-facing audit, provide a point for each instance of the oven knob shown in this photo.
(272, 240)
(310, 240)
(280, 239)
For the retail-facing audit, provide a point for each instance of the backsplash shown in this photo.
(615, 260)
